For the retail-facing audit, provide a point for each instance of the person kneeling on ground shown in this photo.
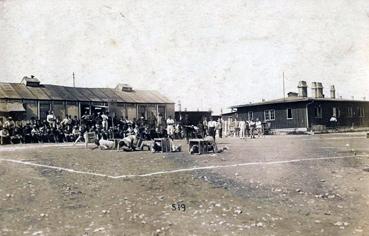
(128, 143)
(211, 144)
(104, 143)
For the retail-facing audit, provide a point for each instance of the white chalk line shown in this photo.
(177, 170)
(31, 146)
(333, 138)
(54, 167)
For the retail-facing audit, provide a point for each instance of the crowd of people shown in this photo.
(244, 128)
(106, 127)
(71, 129)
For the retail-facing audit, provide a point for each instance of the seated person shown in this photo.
(4, 136)
(173, 147)
(35, 134)
(26, 133)
(16, 136)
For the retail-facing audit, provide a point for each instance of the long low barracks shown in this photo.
(30, 99)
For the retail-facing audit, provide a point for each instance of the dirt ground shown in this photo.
(275, 185)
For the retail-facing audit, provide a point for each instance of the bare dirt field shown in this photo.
(276, 185)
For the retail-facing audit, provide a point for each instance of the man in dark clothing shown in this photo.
(186, 127)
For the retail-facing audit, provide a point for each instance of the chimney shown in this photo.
(319, 86)
(31, 81)
(302, 88)
(124, 87)
(314, 90)
(333, 92)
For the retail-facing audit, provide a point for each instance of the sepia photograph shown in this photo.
(195, 117)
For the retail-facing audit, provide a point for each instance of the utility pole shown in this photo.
(284, 89)
(74, 80)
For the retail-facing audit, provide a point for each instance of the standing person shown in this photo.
(333, 122)
(252, 128)
(247, 128)
(212, 124)
(85, 119)
(231, 127)
(83, 133)
(205, 126)
(225, 127)
(105, 124)
(242, 126)
(170, 126)
(236, 128)
(259, 127)
(51, 119)
(160, 125)
(220, 127)
(186, 127)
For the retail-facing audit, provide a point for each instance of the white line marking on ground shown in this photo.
(55, 168)
(236, 165)
(30, 146)
(332, 138)
(178, 170)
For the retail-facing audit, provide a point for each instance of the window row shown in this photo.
(269, 115)
(336, 112)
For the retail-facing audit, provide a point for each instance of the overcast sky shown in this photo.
(207, 54)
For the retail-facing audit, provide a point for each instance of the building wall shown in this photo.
(72, 109)
(131, 111)
(169, 110)
(151, 112)
(31, 107)
(343, 117)
(280, 122)
(59, 109)
(194, 117)
(299, 114)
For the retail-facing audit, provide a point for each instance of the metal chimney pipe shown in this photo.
(333, 92)
(314, 89)
(302, 88)
(319, 89)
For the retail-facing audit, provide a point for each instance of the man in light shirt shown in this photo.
(242, 125)
(105, 123)
(212, 124)
(259, 127)
(170, 126)
(51, 119)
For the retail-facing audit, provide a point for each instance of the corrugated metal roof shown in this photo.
(295, 99)
(55, 92)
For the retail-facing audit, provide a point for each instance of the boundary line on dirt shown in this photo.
(12, 148)
(177, 170)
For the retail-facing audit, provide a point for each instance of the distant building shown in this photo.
(300, 112)
(193, 116)
(30, 98)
